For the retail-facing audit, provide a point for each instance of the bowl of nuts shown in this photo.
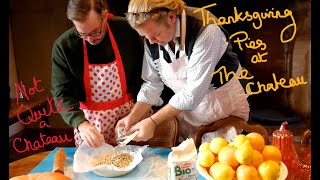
(108, 161)
(115, 164)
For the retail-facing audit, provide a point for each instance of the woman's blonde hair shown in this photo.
(152, 9)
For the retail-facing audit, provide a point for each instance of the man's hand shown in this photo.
(90, 134)
(146, 130)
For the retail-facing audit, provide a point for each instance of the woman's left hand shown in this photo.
(146, 129)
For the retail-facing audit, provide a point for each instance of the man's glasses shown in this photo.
(143, 16)
(92, 34)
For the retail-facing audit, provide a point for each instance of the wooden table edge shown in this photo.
(25, 165)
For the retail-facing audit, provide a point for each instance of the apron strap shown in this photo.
(183, 30)
(86, 78)
(119, 61)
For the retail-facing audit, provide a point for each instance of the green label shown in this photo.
(179, 171)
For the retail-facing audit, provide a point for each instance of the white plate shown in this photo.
(203, 171)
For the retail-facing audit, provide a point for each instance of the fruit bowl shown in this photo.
(204, 171)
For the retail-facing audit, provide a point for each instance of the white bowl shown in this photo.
(203, 171)
(111, 173)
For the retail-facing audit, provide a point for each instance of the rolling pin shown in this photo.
(59, 161)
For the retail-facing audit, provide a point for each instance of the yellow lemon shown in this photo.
(244, 153)
(215, 164)
(247, 172)
(227, 156)
(269, 170)
(221, 172)
(256, 141)
(231, 144)
(257, 158)
(204, 146)
(271, 152)
(216, 144)
(239, 139)
(206, 158)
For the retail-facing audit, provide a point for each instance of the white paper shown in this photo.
(227, 132)
(86, 158)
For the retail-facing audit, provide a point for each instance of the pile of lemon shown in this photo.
(245, 158)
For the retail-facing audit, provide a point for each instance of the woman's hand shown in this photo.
(125, 122)
(90, 134)
(139, 111)
(146, 130)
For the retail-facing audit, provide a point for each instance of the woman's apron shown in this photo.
(107, 100)
(229, 99)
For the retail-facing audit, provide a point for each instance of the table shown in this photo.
(25, 165)
(42, 162)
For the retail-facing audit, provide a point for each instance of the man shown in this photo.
(94, 71)
(182, 54)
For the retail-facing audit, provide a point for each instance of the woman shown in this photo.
(182, 54)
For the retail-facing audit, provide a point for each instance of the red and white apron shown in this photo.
(229, 99)
(107, 100)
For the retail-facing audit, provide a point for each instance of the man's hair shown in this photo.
(78, 10)
(159, 7)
